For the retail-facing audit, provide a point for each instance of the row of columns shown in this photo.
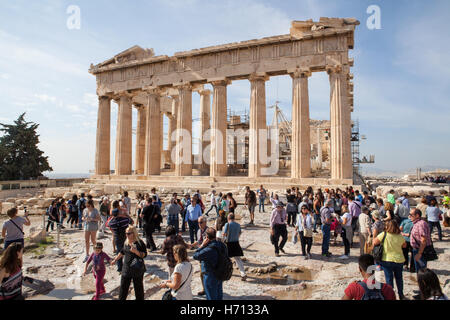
(149, 129)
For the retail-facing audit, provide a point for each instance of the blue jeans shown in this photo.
(193, 228)
(422, 262)
(7, 243)
(261, 204)
(213, 287)
(80, 216)
(437, 224)
(391, 270)
(326, 231)
(120, 241)
(173, 221)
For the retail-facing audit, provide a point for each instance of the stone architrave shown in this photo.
(218, 163)
(258, 125)
(102, 155)
(205, 119)
(124, 137)
(183, 162)
(301, 145)
(340, 118)
(141, 128)
(153, 133)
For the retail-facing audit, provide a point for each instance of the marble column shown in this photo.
(171, 129)
(340, 118)
(205, 117)
(218, 163)
(301, 144)
(124, 137)
(161, 137)
(257, 122)
(139, 161)
(102, 154)
(153, 136)
(183, 162)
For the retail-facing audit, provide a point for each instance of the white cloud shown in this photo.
(90, 99)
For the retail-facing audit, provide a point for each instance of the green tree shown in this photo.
(20, 157)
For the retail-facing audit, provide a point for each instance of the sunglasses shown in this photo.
(129, 233)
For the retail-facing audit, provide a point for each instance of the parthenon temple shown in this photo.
(164, 85)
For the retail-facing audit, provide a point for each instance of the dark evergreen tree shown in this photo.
(20, 157)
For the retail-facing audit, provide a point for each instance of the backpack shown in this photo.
(82, 204)
(370, 294)
(224, 268)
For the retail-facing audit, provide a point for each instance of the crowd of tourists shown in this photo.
(393, 237)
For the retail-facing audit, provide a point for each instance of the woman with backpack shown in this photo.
(392, 258)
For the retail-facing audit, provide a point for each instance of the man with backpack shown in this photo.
(81, 205)
(215, 265)
(368, 288)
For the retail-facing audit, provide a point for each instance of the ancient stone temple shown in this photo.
(164, 85)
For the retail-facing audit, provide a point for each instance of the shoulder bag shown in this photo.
(168, 294)
(429, 253)
(377, 251)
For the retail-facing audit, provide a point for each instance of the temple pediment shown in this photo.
(131, 54)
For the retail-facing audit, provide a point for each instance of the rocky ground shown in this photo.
(286, 277)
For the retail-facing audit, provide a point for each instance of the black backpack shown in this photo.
(82, 204)
(224, 268)
(370, 294)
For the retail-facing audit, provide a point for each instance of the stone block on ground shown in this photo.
(37, 287)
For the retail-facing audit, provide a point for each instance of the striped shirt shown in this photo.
(11, 286)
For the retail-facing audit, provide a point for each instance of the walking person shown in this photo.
(91, 218)
(208, 253)
(52, 213)
(317, 204)
(354, 208)
(346, 232)
(213, 203)
(73, 211)
(12, 230)
(133, 254)
(405, 228)
(118, 225)
(98, 269)
(62, 212)
(104, 214)
(150, 216)
(278, 228)
(231, 233)
(326, 218)
(11, 277)
(434, 215)
(365, 229)
(392, 259)
(262, 194)
(81, 205)
(181, 278)
(173, 212)
(305, 229)
(193, 212)
(185, 202)
(126, 202)
(250, 202)
(172, 239)
(291, 208)
(420, 238)
(220, 223)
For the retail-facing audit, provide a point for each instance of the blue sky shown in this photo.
(402, 71)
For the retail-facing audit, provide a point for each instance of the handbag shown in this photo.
(429, 253)
(168, 294)
(377, 251)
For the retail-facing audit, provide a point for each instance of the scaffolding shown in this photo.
(355, 141)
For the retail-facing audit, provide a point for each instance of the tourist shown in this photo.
(354, 208)
(405, 228)
(291, 208)
(141, 203)
(185, 202)
(358, 197)
(172, 239)
(401, 212)
(422, 206)
(154, 194)
(181, 278)
(118, 225)
(316, 210)
(430, 197)
(278, 228)
(12, 230)
(208, 254)
(62, 212)
(91, 218)
(391, 197)
(429, 286)
(223, 203)
(250, 202)
(378, 224)
(73, 211)
(305, 229)
(445, 198)
(420, 237)
(380, 207)
(325, 217)
(201, 236)
(262, 193)
(389, 211)
(11, 277)
(231, 233)
(347, 232)
(392, 259)
(434, 215)
(150, 217)
(104, 214)
(405, 201)
(220, 223)
(193, 212)
(232, 204)
(81, 205)
(213, 203)
(52, 213)
(338, 204)
(98, 269)
(126, 202)
(359, 290)
(173, 212)
(133, 252)
(274, 199)
(365, 225)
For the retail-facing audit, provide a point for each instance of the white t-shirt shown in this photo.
(127, 203)
(347, 216)
(184, 292)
